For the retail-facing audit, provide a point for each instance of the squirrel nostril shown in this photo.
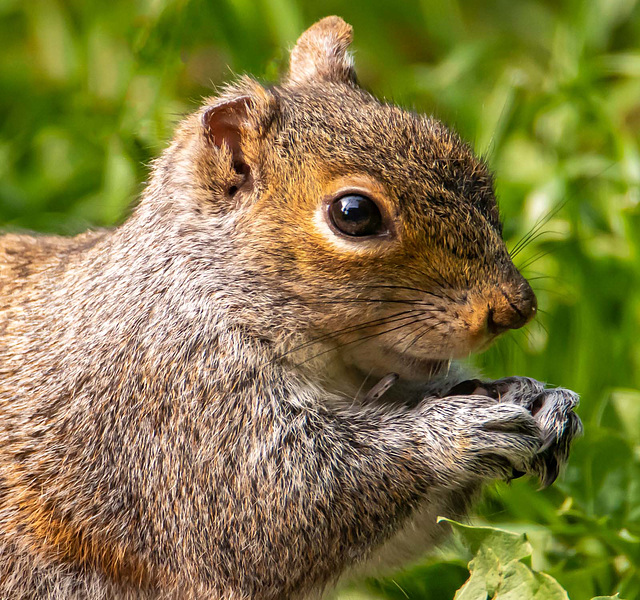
(495, 321)
(508, 313)
(507, 317)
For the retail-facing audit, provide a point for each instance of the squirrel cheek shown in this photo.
(468, 328)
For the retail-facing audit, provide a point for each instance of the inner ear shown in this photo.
(223, 126)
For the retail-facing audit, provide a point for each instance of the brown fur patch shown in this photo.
(50, 535)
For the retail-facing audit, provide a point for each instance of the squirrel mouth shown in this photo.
(429, 367)
(416, 367)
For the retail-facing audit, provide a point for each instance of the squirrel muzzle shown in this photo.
(511, 307)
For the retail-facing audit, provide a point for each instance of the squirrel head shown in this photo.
(343, 227)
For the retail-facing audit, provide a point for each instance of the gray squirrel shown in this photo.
(246, 391)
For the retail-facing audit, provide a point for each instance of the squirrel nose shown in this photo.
(512, 308)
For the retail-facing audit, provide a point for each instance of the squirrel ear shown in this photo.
(223, 123)
(223, 126)
(322, 53)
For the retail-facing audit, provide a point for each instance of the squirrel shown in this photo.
(245, 391)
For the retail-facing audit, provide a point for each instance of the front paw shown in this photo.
(482, 438)
(552, 409)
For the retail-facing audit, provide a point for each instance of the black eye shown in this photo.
(356, 215)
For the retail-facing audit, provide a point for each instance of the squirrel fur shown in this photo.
(183, 399)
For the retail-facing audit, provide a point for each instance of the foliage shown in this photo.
(501, 567)
(547, 90)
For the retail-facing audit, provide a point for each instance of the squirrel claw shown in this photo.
(382, 387)
(551, 470)
(548, 442)
(468, 387)
(516, 474)
(553, 411)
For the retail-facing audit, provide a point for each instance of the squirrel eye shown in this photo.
(356, 215)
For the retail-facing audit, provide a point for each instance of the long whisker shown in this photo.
(440, 281)
(542, 221)
(532, 238)
(364, 301)
(359, 340)
(539, 323)
(535, 258)
(537, 226)
(538, 277)
(517, 343)
(403, 315)
(419, 337)
(364, 381)
(411, 333)
(406, 287)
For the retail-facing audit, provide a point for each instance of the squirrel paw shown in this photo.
(484, 438)
(552, 410)
(506, 440)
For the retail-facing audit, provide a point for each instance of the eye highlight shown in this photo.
(356, 216)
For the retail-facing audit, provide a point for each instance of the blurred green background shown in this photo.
(548, 91)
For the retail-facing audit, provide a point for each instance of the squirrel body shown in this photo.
(184, 407)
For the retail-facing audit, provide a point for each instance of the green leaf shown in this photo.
(501, 569)
(520, 582)
(505, 545)
(485, 577)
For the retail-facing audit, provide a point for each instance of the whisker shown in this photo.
(406, 287)
(539, 323)
(358, 341)
(541, 222)
(410, 333)
(526, 334)
(364, 381)
(534, 236)
(352, 328)
(562, 295)
(419, 337)
(535, 258)
(512, 337)
(363, 301)
(440, 280)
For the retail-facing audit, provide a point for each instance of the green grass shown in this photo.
(548, 91)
